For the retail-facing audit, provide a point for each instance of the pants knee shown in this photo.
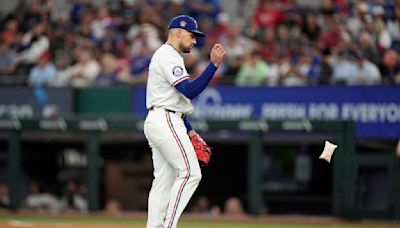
(196, 176)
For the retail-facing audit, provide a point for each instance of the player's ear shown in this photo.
(179, 33)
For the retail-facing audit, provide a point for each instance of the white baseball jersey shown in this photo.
(166, 70)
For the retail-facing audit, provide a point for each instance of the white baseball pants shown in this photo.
(176, 169)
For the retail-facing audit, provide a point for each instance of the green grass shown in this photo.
(71, 219)
(184, 223)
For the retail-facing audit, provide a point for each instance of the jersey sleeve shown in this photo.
(173, 69)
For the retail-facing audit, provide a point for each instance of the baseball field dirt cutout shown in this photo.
(328, 151)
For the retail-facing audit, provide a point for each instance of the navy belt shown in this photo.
(168, 110)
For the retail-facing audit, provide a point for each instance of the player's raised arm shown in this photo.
(192, 88)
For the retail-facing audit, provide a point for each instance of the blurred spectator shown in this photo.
(110, 40)
(122, 58)
(367, 73)
(283, 41)
(356, 23)
(236, 45)
(296, 74)
(81, 199)
(378, 11)
(35, 43)
(44, 72)
(7, 58)
(203, 8)
(63, 58)
(334, 36)
(74, 197)
(310, 26)
(136, 71)
(382, 35)
(343, 67)
(62, 31)
(368, 48)
(268, 46)
(234, 208)
(268, 14)
(33, 16)
(146, 35)
(215, 211)
(390, 68)
(393, 26)
(353, 69)
(217, 30)
(108, 73)
(84, 28)
(125, 15)
(253, 71)
(41, 201)
(69, 191)
(273, 74)
(325, 74)
(8, 35)
(77, 9)
(4, 199)
(85, 71)
(113, 207)
(202, 206)
(101, 22)
(311, 68)
(173, 8)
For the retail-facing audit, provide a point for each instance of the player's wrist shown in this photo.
(215, 65)
(191, 133)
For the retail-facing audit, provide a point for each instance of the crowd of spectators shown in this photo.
(232, 207)
(282, 43)
(73, 198)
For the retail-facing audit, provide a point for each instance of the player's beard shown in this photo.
(185, 49)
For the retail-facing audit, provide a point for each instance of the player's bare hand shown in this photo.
(217, 54)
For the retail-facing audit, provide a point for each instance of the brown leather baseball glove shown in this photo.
(203, 151)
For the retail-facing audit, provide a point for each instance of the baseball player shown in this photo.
(169, 91)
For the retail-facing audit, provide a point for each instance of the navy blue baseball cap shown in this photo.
(185, 22)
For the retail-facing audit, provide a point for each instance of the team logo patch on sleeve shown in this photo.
(177, 71)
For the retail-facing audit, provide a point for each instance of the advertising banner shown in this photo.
(376, 110)
(26, 102)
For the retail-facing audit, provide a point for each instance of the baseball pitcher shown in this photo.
(177, 150)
